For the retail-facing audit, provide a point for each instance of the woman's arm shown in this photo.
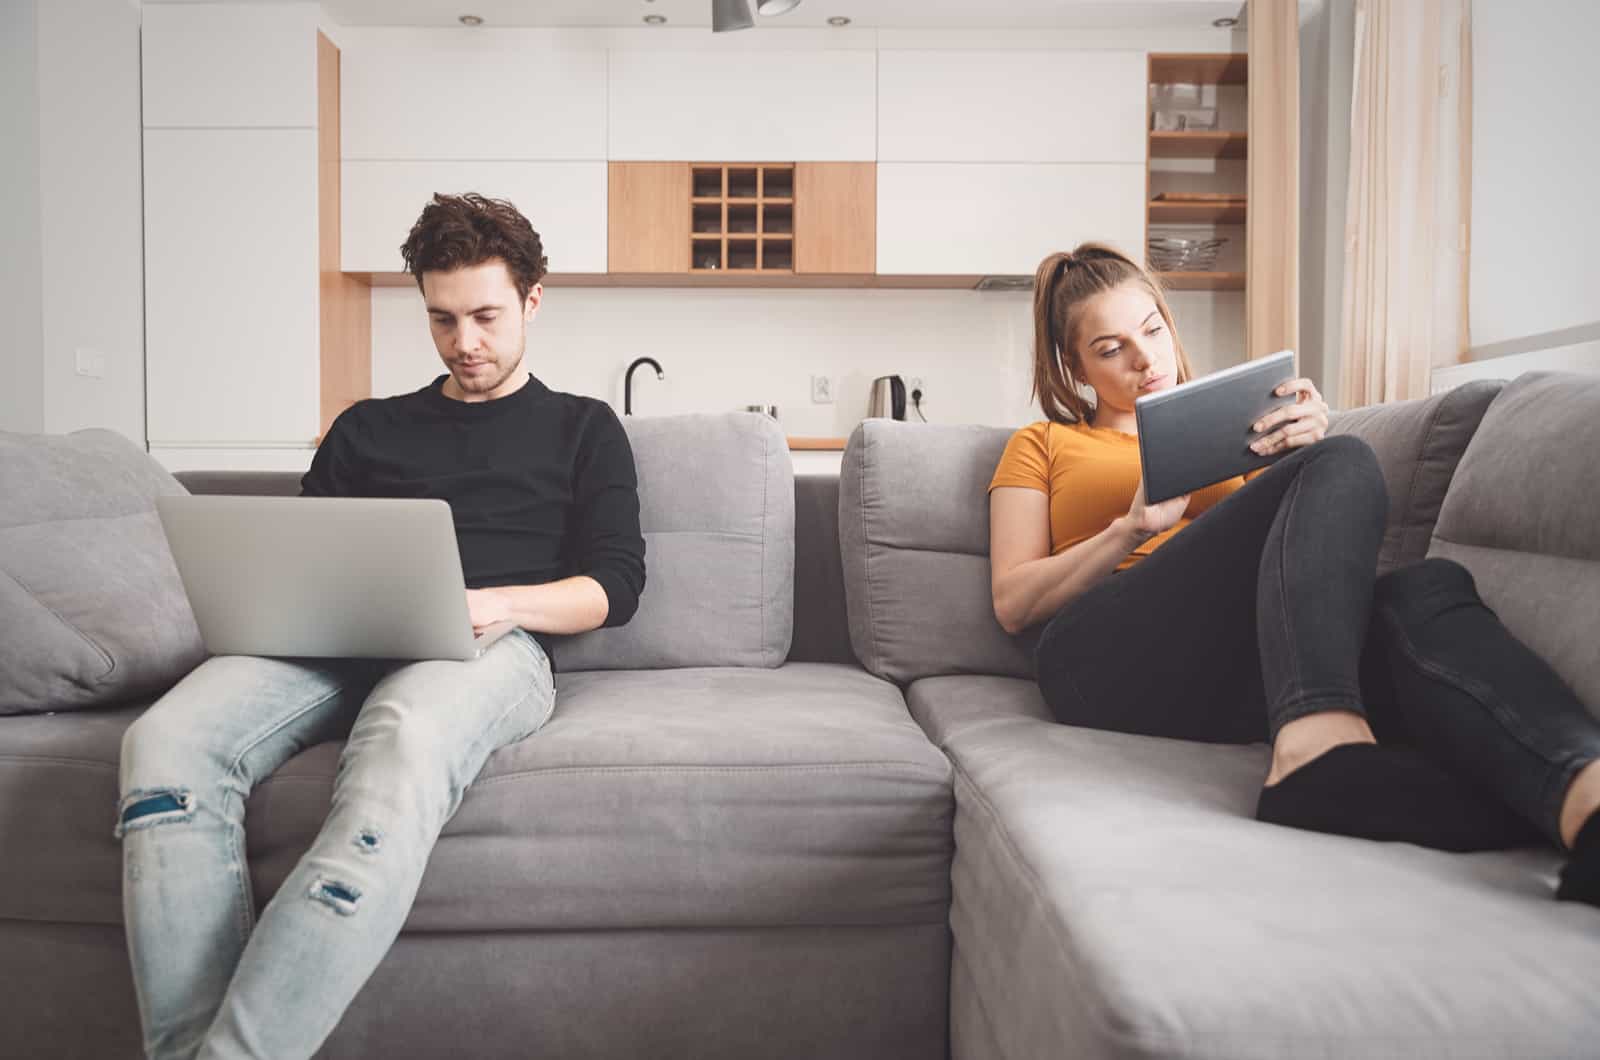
(1028, 584)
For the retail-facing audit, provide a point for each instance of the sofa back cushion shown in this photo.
(914, 543)
(91, 607)
(716, 505)
(1523, 514)
(1419, 443)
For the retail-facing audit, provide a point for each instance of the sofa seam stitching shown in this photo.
(105, 656)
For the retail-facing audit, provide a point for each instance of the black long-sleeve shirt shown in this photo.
(541, 484)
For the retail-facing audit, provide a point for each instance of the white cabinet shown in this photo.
(1000, 218)
(231, 326)
(565, 201)
(229, 65)
(746, 106)
(488, 94)
(1017, 106)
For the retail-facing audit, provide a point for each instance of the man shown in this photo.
(543, 491)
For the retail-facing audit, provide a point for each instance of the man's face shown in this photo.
(480, 328)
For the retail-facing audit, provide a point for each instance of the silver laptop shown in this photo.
(1198, 433)
(324, 577)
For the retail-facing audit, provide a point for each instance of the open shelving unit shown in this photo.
(742, 218)
(1223, 148)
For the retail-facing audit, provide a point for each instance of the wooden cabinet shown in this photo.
(736, 222)
(648, 229)
(836, 217)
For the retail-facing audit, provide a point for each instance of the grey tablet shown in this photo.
(1198, 432)
(324, 577)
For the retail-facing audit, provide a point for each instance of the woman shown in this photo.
(1398, 708)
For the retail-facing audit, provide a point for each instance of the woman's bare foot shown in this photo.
(1582, 802)
(1307, 738)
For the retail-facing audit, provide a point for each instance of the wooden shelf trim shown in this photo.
(719, 278)
(1199, 144)
(1228, 68)
(818, 444)
(1197, 213)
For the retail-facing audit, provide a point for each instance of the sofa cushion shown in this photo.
(1419, 443)
(1113, 897)
(716, 505)
(1523, 514)
(803, 795)
(91, 607)
(914, 542)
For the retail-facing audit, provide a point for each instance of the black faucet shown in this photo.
(627, 382)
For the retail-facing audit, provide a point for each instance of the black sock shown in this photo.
(1393, 794)
(1580, 880)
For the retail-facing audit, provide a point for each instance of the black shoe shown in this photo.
(1580, 880)
(1391, 794)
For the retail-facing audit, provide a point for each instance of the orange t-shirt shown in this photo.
(1090, 475)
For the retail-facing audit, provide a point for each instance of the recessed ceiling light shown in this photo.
(655, 20)
(472, 20)
(838, 20)
(1224, 23)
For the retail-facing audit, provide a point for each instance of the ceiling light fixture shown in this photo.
(471, 20)
(1224, 23)
(838, 20)
(728, 15)
(655, 20)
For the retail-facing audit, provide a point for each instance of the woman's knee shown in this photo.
(1415, 593)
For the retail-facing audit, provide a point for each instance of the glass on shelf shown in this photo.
(778, 217)
(742, 254)
(777, 183)
(777, 254)
(706, 254)
(707, 183)
(742, 219)
(741, 183)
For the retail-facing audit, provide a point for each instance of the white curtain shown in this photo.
(1410, 201)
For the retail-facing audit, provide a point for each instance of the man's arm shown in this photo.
(571, 605)
(332, 472)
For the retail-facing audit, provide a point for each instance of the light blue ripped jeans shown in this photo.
(212, 983)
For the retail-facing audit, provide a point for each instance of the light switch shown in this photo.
(821, 390)
(91, 363)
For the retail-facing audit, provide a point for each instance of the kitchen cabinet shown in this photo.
(209, 66)
(231, 299)
(565, 201)
(742, 106)
(1002, 218)
(422, 95)
(731, 222)
(1013, 106)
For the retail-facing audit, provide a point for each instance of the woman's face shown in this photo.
(1124, 347)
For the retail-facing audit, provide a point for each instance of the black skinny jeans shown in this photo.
(1267, 608)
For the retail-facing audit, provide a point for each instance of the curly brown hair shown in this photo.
(459, 231)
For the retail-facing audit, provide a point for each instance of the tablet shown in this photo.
(1198, 433)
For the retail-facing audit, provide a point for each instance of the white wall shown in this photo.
(90, 216)
(1535, 160)
(21, 368)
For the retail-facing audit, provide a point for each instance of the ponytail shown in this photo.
(1063, 282)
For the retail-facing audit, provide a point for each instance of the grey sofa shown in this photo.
(1112, 896)
(743, 844)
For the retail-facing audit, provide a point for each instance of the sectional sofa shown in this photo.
(808, 804)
